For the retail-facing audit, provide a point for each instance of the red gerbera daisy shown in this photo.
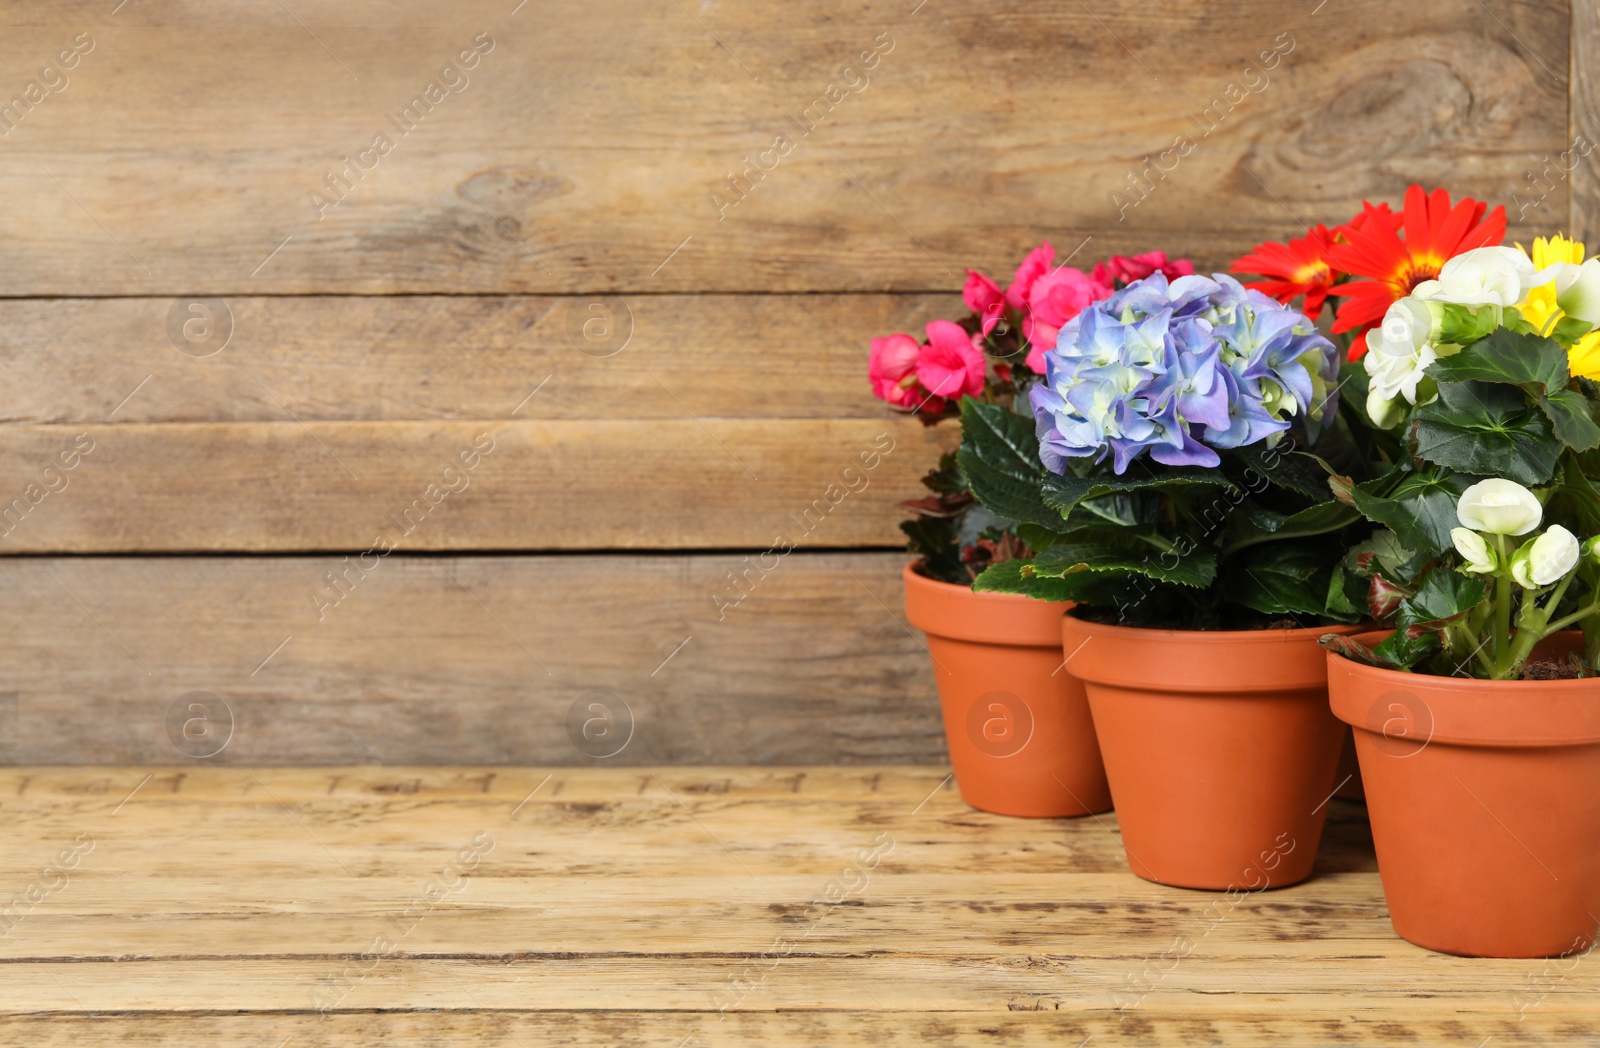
(1434, 232)
(1299, 267)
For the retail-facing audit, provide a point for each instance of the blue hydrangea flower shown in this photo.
(1180, 370)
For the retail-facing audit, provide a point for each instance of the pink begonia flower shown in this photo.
(951, 365)
(1056, 298)
(1036, 265)
(893, 362)
(1127, 270)
(984, 297)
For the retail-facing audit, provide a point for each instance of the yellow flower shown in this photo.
(1540, 307)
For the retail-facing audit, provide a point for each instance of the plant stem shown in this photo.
(1502, 604)
(1577, 616)
(1532, 627)
(1554, 602)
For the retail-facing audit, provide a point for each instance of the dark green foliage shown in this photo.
(1254, 541)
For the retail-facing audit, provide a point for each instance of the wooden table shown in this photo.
(679, 907)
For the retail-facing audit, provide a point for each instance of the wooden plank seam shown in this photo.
(332, 988)
(852, 480)
(851, 882)
(452, 479)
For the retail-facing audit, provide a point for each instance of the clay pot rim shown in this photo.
(1004, 619)
(1471, 685)
(911, 574)
(1197, 664)
(1170, 636)
(1485, 714)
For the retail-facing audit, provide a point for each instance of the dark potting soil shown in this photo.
(1553, 669)
(1246, 621)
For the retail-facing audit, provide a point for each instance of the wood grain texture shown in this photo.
(433, 358)
(419, 906)
(582, 152)
(466, 660)
(564, 484)
(1583, 122)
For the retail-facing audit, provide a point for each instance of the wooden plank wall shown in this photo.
(273, 276)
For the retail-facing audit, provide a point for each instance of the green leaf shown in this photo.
(1196, 569)
(1065, 493)
(1487, 429)
(1382, 550)
(1286, 468)
(1581, 495)
(1346, 595)
(1105, 590)
(1405, 648)
(1038, 537)
(1569, 329)
(1351, 648)
(1421, 509)
(1572, 419)
(1127, 508)
(1000, 456)
(1444, 595)
(1008, 577)
(936, 541)
(1256, 523)
(1089, 530)
(1281, 579)
(1535, 364)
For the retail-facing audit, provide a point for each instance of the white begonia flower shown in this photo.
(1546, 559)
(1478, 555)
(1578, 290)
(1499, 507)
(1485, 276)
(1385, 412)
(1398, 350)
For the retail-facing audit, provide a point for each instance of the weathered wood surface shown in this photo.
(582, 149)
(478, 485)
(406, 358)
(1577, 167)
(677, 906)
(445, 659)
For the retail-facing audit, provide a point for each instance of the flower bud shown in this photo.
(1546, 559)
(1578, 290)
(1385, 412)
(1499, 507)
(1477, 556)
(1591, 549)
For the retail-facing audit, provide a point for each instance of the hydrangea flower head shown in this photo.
(1180, 369)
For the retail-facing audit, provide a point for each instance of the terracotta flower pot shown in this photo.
(1219, 747)
(1020, 736)
(1484, 798)
(1348, 774)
